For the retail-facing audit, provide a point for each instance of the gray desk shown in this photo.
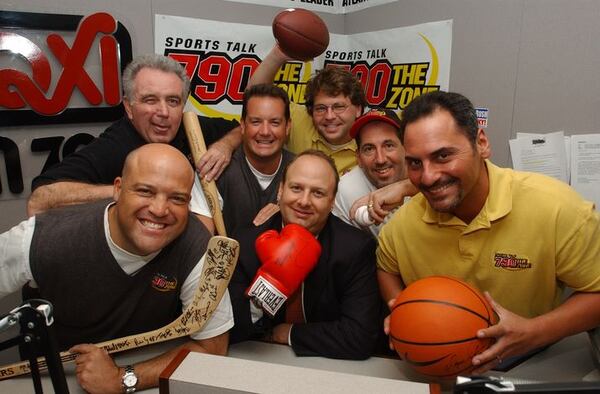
(568, 360)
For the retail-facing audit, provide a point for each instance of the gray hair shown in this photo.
(157, 62)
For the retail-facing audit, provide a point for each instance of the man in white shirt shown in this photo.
(380, 158)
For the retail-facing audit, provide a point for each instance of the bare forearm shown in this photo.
(383, 200)
(580, 312)
(393, 195)
(265, 73)
(232, 139)
(516, 335)
(98, 373)
(65, 193)
(207, 222)
(390, 285)
(212, 163)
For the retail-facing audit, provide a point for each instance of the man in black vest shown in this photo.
(252, 178)
(117, 268)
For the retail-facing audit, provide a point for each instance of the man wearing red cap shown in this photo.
(380, 157)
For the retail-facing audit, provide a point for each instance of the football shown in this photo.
(301, 34)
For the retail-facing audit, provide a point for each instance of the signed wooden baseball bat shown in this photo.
(219, 263)
(198, 148)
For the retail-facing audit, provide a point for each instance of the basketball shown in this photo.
(434, 324)
(301, 34)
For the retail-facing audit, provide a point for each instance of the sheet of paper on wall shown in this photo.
(567, 148)
(585, 166)
(542, 153)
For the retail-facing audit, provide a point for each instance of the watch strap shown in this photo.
(129, 372)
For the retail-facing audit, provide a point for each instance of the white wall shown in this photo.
(533, 63)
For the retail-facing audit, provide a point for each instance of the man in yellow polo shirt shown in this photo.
(522, 237)
(334, 99)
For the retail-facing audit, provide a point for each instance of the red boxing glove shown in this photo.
(286, 259)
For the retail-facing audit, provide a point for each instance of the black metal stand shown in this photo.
(491, 385)
(37, 337)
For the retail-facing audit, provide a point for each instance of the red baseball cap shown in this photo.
(380, 114)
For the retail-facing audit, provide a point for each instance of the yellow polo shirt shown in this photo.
(534, 236)
(305, 136)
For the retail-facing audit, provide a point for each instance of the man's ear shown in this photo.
(128, 109)
(242, 126)
(483, 144)
(357, 154)
(288, 127)
(117, 187)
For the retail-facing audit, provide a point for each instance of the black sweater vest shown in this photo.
(94, 299)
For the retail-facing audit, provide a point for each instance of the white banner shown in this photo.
(394, 65)
(330, 6)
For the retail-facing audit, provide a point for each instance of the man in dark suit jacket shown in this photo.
(340, 297)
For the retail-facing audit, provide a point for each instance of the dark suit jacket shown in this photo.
(341, 296)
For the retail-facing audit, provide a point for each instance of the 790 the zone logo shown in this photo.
(389, 85)
(216, 76)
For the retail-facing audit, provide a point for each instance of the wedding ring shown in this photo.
(370, 206)
(499, 359)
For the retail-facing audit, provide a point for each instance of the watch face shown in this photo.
(130, 380)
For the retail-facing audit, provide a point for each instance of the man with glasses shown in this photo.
(334, 99)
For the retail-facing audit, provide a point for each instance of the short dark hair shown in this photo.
(265, 90)
(456, 104)
(319, 154)
(333, 81)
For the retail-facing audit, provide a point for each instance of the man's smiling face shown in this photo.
(152, 199)
(156, 108)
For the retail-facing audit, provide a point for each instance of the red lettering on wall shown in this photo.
(17, 89)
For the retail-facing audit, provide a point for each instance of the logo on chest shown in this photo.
(161, 282)
(511, 262)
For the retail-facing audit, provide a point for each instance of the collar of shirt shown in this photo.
(351, 145)
(130, 263)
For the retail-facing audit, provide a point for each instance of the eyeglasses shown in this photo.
(337, 108)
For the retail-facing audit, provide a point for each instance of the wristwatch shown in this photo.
(129, 380)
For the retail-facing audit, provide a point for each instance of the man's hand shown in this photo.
(212, 164)
(382, 201)
(281, 333)
(265, 213)
(515, 335)
(386, 323)
(96, 370)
